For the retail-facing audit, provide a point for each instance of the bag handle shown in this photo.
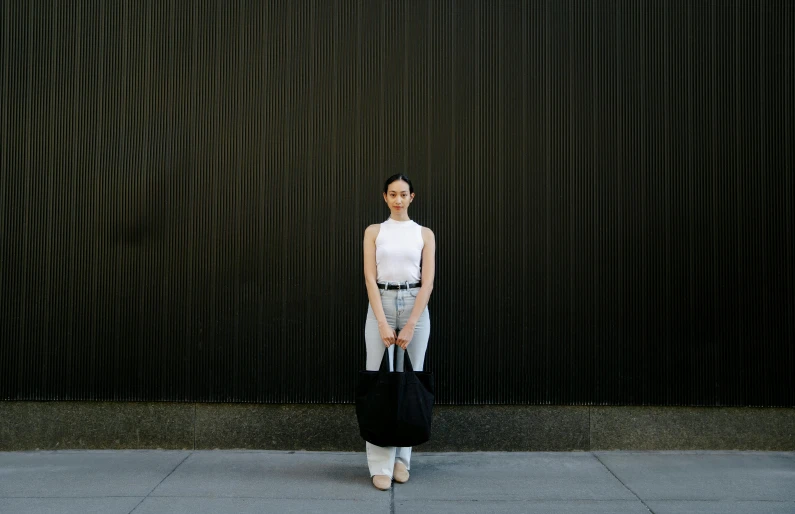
(384, 368)
(407, 362)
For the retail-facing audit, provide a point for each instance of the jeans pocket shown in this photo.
(414, 291)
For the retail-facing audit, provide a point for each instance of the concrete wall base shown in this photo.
(126, 425)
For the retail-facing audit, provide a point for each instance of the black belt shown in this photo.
(399, 286)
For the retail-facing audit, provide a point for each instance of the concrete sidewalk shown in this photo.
(195, 482)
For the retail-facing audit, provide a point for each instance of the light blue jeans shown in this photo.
(398, 304)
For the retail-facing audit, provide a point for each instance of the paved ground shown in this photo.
(196, 482)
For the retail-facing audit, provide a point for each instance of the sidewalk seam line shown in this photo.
(622, 483)
(158, 484)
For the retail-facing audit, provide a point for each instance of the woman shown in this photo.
(398, 272)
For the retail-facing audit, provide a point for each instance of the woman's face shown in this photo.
(398, 197)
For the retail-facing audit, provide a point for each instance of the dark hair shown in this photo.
(395, 178)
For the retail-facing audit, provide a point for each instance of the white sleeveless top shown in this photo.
(398, 252)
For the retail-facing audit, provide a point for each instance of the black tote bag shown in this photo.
(394, 408)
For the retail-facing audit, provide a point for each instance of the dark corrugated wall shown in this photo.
(185, 186)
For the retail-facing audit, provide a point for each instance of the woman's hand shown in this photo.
(405, 335)
(387, 334)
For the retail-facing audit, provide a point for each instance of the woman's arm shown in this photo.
(424, 295)
(387, 333)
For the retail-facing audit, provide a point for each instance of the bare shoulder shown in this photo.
(372, 231)
(427, 235)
